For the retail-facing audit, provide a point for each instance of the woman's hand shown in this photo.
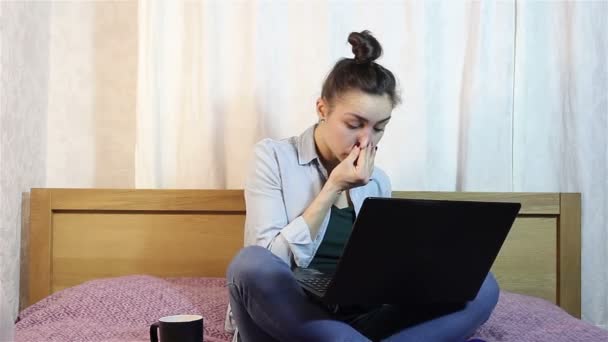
(355, 170)
(352, 172)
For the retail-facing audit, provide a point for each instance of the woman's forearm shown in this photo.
(316, 211)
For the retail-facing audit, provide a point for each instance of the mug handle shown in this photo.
(154, 332)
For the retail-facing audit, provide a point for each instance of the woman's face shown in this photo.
(355, 118)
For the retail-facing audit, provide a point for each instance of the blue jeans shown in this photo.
(269, 305)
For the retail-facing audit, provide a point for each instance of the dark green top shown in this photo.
(338, 230)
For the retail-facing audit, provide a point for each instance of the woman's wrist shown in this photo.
(332, 188)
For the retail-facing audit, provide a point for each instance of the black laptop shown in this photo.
(410, 250)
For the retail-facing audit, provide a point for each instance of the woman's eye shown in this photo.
(352, 126)
(379, 129)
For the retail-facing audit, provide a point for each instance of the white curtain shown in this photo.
(498, 96)
(67, 111)
(561, 123)
(214, 77)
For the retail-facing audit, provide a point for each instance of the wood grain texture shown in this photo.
(39, 246)
(569, 253)
(99, 245)
(531, 203)
(527, 260)
(148, 200)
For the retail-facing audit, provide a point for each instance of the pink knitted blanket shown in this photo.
(122, 309)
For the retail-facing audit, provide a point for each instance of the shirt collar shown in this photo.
(307, 150)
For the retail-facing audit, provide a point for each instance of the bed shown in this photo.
(103, 264)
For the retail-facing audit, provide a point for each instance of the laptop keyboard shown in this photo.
(318, 283)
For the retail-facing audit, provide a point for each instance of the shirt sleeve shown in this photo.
(388, 189)
(384, 183)
(266, 222)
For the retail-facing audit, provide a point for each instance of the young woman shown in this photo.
(303, 194)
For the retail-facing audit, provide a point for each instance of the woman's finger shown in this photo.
(353, 155)
(372, 159)
(360, 164)
(368, 161)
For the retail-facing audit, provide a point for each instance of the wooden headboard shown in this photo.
(77, 235)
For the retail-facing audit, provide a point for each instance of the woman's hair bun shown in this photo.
(365, 47)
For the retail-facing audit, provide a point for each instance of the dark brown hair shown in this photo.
(361, 72)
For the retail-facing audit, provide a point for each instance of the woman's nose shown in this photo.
(365, 138)
(363, 141)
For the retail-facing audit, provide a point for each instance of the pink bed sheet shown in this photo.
(121, 309)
